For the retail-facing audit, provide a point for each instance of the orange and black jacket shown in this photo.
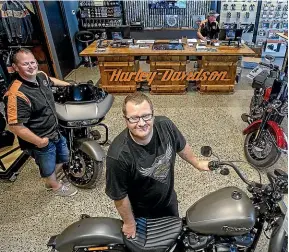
(32, 104)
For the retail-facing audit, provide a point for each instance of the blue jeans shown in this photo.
(56, 152)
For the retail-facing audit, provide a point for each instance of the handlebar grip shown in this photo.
(213, 165)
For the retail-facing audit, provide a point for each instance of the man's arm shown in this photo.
(199, 34)
(124, 209)
(188, 155)
(27, 135)
(59, 83)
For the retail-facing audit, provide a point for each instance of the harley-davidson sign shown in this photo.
(167, 75)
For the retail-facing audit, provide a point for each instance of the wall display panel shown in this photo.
(273, 19)
(166, 14)
(240, 14)
(100, 14)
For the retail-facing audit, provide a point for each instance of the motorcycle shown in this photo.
(223, 221)
(265, 139)
(263, 76)
(79, 109)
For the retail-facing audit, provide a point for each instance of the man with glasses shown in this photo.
(31, 115)
(140, 164)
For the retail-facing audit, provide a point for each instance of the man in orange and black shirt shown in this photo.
(31, 115)
(209, 28)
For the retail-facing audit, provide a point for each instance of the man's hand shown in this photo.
(129, 230)
(44, 142)
(203, 165)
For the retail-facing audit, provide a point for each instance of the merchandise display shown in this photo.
(239, 15)
(273, 19)
(100, 14)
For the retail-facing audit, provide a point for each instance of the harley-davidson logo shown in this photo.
(235, 229)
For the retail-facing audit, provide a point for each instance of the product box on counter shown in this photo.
(250, 62)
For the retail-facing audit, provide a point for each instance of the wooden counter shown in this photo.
(116, 61)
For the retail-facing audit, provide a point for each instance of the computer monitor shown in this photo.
(120, 32)
(230, 34)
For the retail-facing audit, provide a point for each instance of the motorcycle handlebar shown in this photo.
(266, 65)
(213, 165)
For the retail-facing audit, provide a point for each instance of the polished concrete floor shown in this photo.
(30, 214)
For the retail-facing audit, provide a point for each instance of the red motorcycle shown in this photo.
(265, 139)
(264, 76)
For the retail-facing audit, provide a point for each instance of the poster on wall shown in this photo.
(159, 4)
(247, 28)
(197, 19)
(172, 20)
(272, 47)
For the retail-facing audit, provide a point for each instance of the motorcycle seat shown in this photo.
(155, 235)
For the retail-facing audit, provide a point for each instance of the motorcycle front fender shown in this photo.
(91, 148)
(274, 129)
(89, 232)
(278, 237)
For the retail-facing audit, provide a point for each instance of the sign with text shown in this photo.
(167, 75)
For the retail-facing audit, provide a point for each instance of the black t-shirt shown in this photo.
(144, 173)
(33, 105)
(206, 29)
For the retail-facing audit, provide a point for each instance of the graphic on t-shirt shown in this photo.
(161, 166)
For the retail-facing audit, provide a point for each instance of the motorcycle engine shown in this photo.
(199, 243)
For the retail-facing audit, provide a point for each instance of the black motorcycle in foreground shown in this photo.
(79, 109)
(265, 139)
(226, 220)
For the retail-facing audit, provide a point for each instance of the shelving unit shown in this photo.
(239, 15)
(100, 14)
(273, 19)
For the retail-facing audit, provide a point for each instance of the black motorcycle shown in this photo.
(224, 221)
(80, 108)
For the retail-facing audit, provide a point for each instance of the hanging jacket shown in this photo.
(16, 21)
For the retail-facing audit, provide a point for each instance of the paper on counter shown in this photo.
(145, 41)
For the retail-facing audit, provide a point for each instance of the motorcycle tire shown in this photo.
(97, 168)
(264, 163)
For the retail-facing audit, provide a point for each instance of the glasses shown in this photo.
(135, 119)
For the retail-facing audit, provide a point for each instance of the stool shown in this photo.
(86, 37)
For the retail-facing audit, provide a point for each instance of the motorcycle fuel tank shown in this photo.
(226, 212)
(90, 232)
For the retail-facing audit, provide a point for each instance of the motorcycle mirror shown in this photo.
(225, 171)
(279, 172)
(206, 151)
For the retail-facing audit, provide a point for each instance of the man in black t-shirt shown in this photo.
(209, 28)
(140, 164)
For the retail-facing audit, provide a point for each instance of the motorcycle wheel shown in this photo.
(255, 155)
(87, 173)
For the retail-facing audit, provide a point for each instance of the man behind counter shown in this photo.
(209, 28)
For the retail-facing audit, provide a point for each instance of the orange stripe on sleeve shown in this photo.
(12, 109)
(12, 94)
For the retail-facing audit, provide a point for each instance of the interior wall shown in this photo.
(140, 11)
(70, 10)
